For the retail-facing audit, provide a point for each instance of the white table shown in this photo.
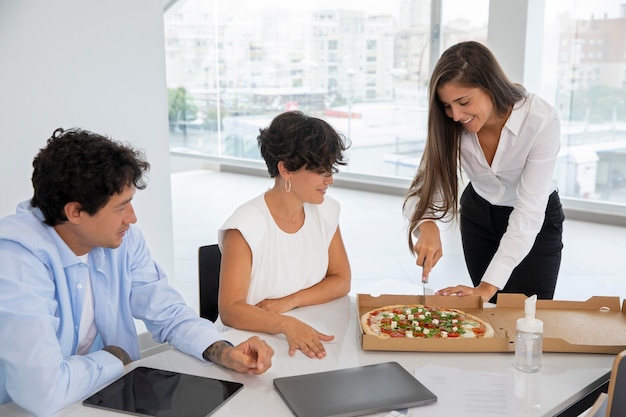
(565, 378)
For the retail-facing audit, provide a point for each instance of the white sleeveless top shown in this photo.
(284, 263)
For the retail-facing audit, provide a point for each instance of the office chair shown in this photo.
(612, 403)
(617, 387)
(209, 260)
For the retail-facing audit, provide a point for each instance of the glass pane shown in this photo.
(585, 76)
(361, 65)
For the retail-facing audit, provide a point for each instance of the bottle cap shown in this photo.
(529, 323)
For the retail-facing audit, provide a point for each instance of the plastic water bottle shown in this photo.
(529, 339)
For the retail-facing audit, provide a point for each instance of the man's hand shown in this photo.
(119, 353)
(254, 356)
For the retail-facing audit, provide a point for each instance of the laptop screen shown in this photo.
(157, 393)
(353, 391)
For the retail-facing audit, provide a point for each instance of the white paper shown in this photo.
(466, 393)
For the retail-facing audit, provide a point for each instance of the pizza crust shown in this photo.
(489, 331)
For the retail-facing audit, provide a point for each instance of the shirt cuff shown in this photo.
(111, 367)
(497, 274)
(416, 233)
(202, 341)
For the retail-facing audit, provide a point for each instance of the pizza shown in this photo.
(419, 321)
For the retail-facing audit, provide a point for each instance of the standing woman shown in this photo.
(283, 249)
(506, 142)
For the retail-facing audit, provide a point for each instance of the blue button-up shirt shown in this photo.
(41, 293)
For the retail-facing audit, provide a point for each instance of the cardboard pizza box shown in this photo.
(597, 325)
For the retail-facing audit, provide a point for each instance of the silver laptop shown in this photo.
(353, 391)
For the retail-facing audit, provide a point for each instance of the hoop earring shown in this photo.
(287, 185)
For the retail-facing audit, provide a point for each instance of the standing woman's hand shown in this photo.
(428, 248)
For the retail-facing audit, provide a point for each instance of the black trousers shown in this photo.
(482, 226)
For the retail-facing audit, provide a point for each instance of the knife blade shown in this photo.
(424, 282)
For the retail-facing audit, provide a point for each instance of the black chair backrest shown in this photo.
(209, 260)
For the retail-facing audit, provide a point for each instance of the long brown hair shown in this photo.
(436, 184)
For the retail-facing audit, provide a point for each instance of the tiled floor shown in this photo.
(594, 255)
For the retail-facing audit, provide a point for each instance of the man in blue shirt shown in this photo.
(75, 273)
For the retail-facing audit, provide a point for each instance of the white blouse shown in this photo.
(521, 176)
(284, 263)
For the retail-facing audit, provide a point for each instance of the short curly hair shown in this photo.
(80, 166)
(300, 141)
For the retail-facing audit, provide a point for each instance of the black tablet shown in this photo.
(157, 393)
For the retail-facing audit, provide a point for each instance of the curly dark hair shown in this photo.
(81, 166)
(301, 141)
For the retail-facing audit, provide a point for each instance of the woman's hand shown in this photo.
(428, 248)
(306, 338)
(276, 305)
(484, 289)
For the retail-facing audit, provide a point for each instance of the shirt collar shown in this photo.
(69, 258)
(520, 109)
(66, 255)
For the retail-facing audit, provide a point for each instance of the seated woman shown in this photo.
(283, 249)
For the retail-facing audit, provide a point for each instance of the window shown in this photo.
(584, 76)
(365, 66)
(362, 66)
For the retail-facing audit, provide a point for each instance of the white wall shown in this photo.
(98, 65)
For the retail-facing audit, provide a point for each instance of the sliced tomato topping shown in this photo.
(479, 330)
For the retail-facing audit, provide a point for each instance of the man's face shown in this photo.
(108, 226)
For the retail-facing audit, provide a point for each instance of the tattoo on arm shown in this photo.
(214, 352)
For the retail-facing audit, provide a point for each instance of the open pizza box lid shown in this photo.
(597, 325)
